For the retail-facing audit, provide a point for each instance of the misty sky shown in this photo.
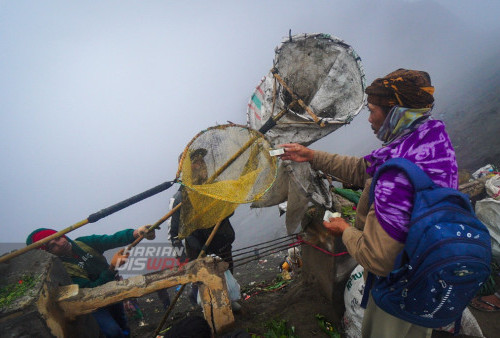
(98, 98)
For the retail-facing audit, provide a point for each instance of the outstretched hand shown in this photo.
(296, 152)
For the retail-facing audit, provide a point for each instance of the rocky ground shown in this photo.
(266, 300)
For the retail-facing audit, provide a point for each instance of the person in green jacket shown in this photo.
(85, 263)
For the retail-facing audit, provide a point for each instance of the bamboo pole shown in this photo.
(154, 226)
(178, 294)
(296, 98)
(93, 218)
(271, 122)
(43, 241)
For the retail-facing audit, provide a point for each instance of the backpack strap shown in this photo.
(366, 291)
(418, 178)
(420, 181)
(87, 248)
(74, 270)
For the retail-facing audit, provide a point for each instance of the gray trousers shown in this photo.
(379, 324)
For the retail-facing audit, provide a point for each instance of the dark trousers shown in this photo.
(221, 244)
(112, 320)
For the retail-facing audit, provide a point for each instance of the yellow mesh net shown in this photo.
(222, 167)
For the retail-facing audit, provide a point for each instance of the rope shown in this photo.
(301, 240)
(273, 240)
(243, 261)
(265, 247)
(276, 246)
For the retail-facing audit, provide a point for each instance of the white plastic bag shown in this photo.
(353, 294)
(492, 186)
(468, 325)
(488, 211)
(483, 171)
(233, 287)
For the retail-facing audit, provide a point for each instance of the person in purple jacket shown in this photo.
(400, 107)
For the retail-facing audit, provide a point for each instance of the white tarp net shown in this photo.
(327, 75)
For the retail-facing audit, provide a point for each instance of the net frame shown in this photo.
(222, 190)
(217, 173)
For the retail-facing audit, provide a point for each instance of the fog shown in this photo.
(97, 99)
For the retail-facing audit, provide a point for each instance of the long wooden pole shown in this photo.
(154, 226)
(92, 218)
(316, 119)
(43, 241)
(178, 294)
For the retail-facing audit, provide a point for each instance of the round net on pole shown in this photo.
(325, 73)
(222, 167)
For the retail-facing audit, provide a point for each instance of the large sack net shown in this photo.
(319, 80)
(322, 71)
(222, 167)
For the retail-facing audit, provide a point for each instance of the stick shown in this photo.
(154, 226)
(202, 252)
(296, 98)
(92, 218)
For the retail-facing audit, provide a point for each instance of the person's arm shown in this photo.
(349, 169)
(102, 243)
(372, 248)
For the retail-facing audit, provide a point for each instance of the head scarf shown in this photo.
(401, 121)
(403, 87)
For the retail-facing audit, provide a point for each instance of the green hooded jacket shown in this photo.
(88, 267)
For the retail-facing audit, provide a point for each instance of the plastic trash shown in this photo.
(492, 186)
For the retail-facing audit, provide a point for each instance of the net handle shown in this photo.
(154, 226)
(316, 119)
(270, 123)
(92, 218)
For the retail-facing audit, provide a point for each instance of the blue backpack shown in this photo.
(445, 260)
